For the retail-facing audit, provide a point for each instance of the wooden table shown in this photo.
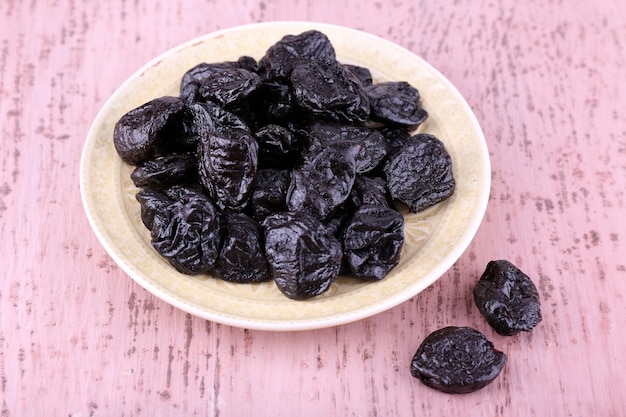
(547, 81)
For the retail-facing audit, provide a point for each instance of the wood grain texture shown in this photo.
(547, 81)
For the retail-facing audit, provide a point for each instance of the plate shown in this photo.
(434, 239)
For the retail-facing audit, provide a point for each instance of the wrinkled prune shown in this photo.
(228, 86)
(420, 174)
(363, 74)
(192, 79)
(241, 257)
(507, 298)
(278, 147)
(269, 192)
(138, 134)
(186, 233)
(166, 171)
(280, 58)
(370, 190)
(372, 144)
(151, 201)
(323, 181)
(210, 117)
(457, 360)
(304, 256)
(396, 103)
(396, 137)
(372, 241)
(327, 91)
(228, 167)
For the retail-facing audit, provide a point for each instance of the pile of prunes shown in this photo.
(287, 168)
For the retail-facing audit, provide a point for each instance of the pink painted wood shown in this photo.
(547, 81)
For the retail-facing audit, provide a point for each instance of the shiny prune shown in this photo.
(228, 86)
(420, 174)
(327, 91)
(323, 181)
(304, 256)
(372, 241)
(269, 192)
(241, 258)
(192, 79)
(363, 74)
(370, 190)
(138, 134)
(280, 58)
(278, 146)
(396, 103)
(457, 360)
(228, 167)
(186, 233)
(210, 117)
(507, 298)
(151, 201)
(166, 171)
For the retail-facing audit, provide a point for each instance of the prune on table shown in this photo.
(457, 360)
(228, 86)
(187, 232)
(151, 201)
(323, 181)
(138, 134)
(166, 171)
(396, 103)
(420, 174)
(269, 192)
(228, 167)
(327, 91)
(507, 298)
(280, 58)
(370, 190)
(241, 258)
(372, 241)
(303, 255)
(372, 144)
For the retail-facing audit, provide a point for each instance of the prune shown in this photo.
(228, 167)
(192, 79)
(370, 190)
(420, 174)
(241, 257)
(326, 90)
(363, 74)
(507, 298)
(304, 256)
(166, 171)
(187, 234)
(457, 360)
(372, 241)
(372, 144)
(396, 137)
(151, 201)
(137, 135)
(269, 192)
(227, 86)
(396, 103)
(210, 117)
(278, 147)
(280, 59)
(323, 181)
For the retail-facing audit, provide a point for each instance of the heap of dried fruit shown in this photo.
(286, 168)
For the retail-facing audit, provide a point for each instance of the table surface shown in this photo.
(547, 82)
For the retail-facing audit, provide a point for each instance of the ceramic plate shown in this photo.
(434, 239)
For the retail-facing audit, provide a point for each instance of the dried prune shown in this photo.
(304, 256)
(228, 167)
(227, 86)
(269, 192)
(396, 103)
(151, 201)
(166, 171)
(370, 190)
(210, 117)
(192, 79)
(457, 360)
(363, 74)
(241, 257)
(323, 181)
(372, 241)
(507, 298)
(280, 58)
(326, 90)
(137, 135)
(372, 144)
(420, 174)
(278, 147)
(186, 233)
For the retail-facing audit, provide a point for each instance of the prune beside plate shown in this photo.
(457, 360)
(507, 298)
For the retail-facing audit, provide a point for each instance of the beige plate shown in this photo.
(435, 239)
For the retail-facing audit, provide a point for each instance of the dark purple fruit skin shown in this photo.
(457, 360)
(507, 298)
